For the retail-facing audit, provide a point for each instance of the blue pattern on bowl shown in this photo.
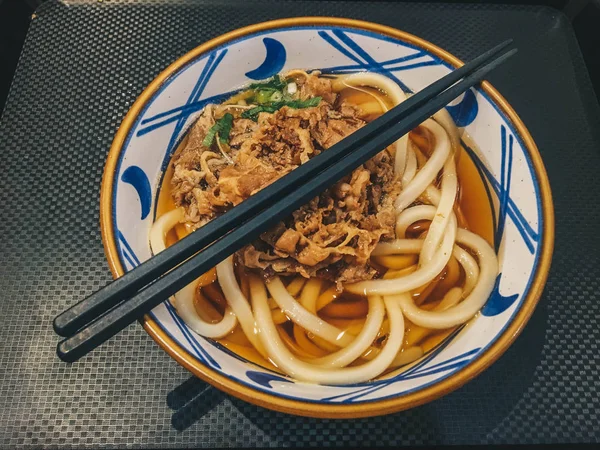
(139, 180)
(273, 63)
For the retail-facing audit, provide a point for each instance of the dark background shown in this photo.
(16, 14)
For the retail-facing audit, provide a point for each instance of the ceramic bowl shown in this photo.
(507, 160)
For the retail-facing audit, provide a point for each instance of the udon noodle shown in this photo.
(408, 268)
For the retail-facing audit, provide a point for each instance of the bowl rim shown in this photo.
(298, 407)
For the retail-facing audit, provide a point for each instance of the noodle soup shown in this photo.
(375, 272)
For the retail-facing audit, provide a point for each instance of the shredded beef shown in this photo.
(334, 234)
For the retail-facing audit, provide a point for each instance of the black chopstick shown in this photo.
(357, 152)
(87, 310)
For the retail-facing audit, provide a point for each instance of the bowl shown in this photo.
(505, 156)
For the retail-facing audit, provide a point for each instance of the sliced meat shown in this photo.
(314, 86)
(330, 237)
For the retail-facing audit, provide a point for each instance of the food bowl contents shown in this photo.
(365, 278)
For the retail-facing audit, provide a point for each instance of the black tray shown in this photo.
(84, 63)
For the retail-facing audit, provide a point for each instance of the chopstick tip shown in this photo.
(59, 326)
(65, 353)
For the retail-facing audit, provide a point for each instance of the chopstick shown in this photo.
(257, 213)
(77, 316)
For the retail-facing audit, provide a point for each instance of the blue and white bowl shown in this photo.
(508, 162)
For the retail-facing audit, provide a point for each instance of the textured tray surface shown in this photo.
(83, 65)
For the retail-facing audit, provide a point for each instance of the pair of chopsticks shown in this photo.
(103, 314)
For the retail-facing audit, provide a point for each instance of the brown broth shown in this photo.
(472, 197)
(365, 98)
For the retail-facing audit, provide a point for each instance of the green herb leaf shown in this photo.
(222, 127)
(274, 106)
(263, 96)
(226, 124)
(299, 104)
(210, 136)
(276, 96)
(268, 91)
(254, 112)
(276, 84)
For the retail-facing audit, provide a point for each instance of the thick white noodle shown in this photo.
(426, 175)
(488, 269)
(411, 166)
(363, 340)
(304, 371)
(304, 318)
(310, 293)
(469, 266)
(412, 246)
(451, 298)
(397, 95)
(411, 215)
(401, 245)
(160, 228)
(237, 301)
(445, 120)
(424, 274)
(443, 213)
(382, 104)
(184, 299)
(184, 304)
(431, 195)
(398, 247)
